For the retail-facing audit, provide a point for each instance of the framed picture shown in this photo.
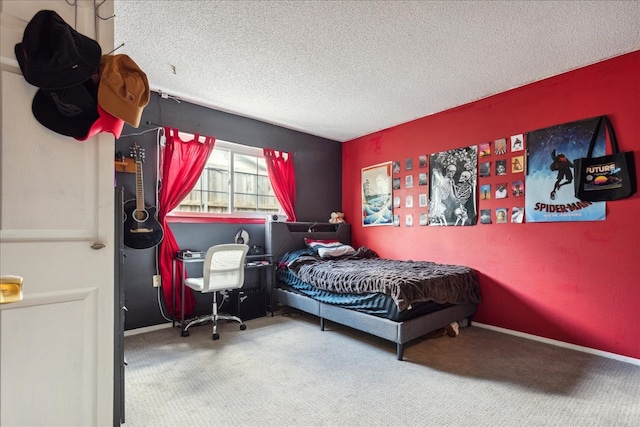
(396, 183)
(485, 169)
(485, 192)
(377, 202)
(422, 161)
(423, 219)
(550, 196)
(408, 201)
(453, 187)
(517, 188)
(408, 164)
(408, 181)
(485, 216)
(408, 220)
(517, 164)
(516, 143)
(396, 167)
(484, 149)
(517, 214)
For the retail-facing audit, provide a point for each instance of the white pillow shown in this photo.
(335, 251)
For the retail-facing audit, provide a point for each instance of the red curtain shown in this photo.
(182, 164)
(283, 180)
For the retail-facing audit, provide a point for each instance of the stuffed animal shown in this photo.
(336, 218)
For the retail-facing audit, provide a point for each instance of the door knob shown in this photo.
(10, 289)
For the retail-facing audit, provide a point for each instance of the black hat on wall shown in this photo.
(53, 55)
(70, 111)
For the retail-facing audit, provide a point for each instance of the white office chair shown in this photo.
(223, 270)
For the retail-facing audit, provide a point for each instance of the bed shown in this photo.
(400, 312)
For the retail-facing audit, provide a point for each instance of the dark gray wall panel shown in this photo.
(318, 164)
(318, 161)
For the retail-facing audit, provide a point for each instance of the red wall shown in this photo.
(576, 282)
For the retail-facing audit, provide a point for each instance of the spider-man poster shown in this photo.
(549, 182)
(454, 180)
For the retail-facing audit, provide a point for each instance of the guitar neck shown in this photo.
(139, 187)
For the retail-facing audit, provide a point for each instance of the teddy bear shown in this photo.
(336, 218)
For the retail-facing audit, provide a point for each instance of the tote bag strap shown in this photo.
(596, 132)
(612, 136)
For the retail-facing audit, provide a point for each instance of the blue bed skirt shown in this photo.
(376, 304)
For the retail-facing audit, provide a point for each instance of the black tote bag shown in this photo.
(610, 177)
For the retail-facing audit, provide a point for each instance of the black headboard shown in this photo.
(283, 237)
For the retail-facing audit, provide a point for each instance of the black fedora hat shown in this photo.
(69, 111)
(53, 55)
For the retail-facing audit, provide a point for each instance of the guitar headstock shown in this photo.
(137, 153)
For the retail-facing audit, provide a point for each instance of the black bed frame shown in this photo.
(282, 237)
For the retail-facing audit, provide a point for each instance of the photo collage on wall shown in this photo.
(440, 190)
(526, 176)
(501, 180)
(411, 191)
(482, 183)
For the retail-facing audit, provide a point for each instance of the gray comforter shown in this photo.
(407, 282)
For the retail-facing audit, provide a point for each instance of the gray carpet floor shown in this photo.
(283, 371)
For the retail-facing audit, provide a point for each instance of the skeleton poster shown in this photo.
(453, 190)
(549, 180)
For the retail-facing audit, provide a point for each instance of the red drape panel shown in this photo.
(182, 164)
(283, 180)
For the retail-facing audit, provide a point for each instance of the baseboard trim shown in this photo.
(606, 354)
(146, 329)
(583, 349)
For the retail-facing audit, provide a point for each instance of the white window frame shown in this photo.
(233, 148)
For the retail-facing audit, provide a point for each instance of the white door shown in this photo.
(56, 231)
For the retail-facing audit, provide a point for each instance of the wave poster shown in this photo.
(377, 207)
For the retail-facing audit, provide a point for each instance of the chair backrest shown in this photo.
(224, 267)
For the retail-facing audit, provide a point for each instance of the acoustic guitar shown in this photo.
(141, 227)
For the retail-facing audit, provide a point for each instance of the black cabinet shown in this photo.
(264, 267)
(248, 304)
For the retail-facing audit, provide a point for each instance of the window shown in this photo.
(234, 182)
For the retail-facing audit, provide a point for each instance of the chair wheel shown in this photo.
(243, 327)
(215, 336)
(184, 333)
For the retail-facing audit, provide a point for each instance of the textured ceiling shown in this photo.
(343, 69)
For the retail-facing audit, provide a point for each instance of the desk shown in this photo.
(266, 280)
